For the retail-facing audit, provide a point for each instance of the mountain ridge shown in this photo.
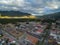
(13, 13)
(54, 15)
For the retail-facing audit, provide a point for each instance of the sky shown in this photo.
(34, 7)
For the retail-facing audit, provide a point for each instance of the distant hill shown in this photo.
(13, 13)
(54, 15)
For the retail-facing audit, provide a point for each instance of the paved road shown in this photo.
(10, 36)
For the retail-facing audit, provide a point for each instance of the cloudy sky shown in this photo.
(35, 7)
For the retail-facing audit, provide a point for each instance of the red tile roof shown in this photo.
(32, 39)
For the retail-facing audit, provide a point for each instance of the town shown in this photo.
(30, 33)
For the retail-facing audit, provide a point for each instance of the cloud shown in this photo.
(12, 2)
(37, 7)
(53, 4)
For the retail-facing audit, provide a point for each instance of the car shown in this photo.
(58, 42)
(13, 43)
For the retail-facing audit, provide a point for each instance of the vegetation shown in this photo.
(5, 21)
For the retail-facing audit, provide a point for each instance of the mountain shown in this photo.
(13, 13)
(51, 16)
